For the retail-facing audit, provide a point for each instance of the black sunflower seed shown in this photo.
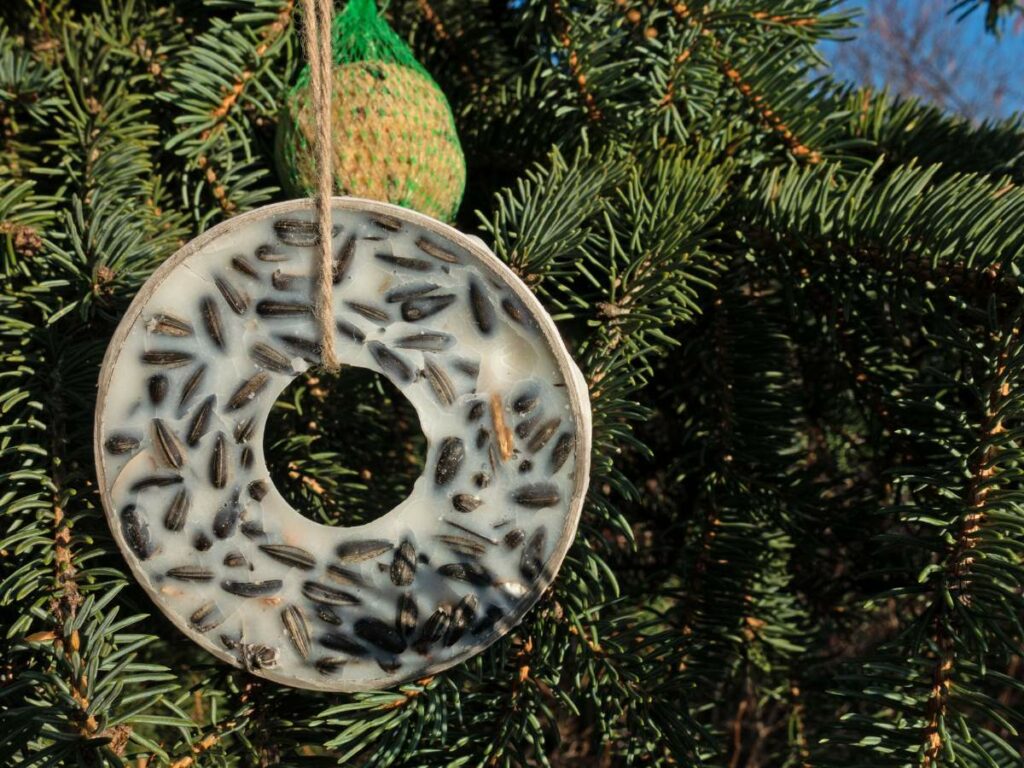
(433, 249)
(247, 458)
(206, 617)
(537, 495)
(167, 358)
(190, 573)
(248, 390)
(283, 281)
(211, 321)
(543, 434)
(169, 325)
(560, 453)
(471, 573)
(476, 411)
(409, 291)
(289, 554)
(267, 357)
(406, 615)
(191, 386)
(242, 265)
(358, 551)
(530, 563)
(526, 402)
(403, 564)
(514, 538)
(297, 627)
(345, 576)
(235, 560)
(330, 665)
(463, 615)
(327, 615)
(430, 341)
(118, 444)
(374, 314)
(237, 300)
(227, 516)
(156, 481)
(467, 367)
(244, 429)
(414, 310)
(350, 331)
(525, 427)
(439, 382)
(516, 311)
(271, 308)
(219, 462)
(404, 262)
(449, 460)
(390, 223)
(301, 234)
(321, 593)
(466, 502)
(257, 490)
(167, 443)
(380, 634)
(267, 253)
(463, 546)
(481, 479)
(200, 421)
(482, 436)
(480, 305)
(157, 386)
(136, 532)
(390, 363)
(343, 260)
(252, 530)
(201, 542)
(336, 641)
(309, 350)
(177, 510)
(435, 627)
(252, 588)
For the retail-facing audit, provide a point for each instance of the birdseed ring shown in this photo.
(190, 376)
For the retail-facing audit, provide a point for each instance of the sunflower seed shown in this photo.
(369, 312)
(244, 429)
(404, 262)
(478, 536)
(155, 481)
(252, 588)
(169, 325)
(350, 331)
(409, 291)
(339, 642)
(525, 427)
(227, 516)
(136, 532)
(283, 281)
(476, 411)
(200, 421)
(297, 627)
(481, 479)
(267, 253)
(237, 300)
(267, 357)
(483, 312)
(330, 665)
(157, 386)
(391, 363)
(206, 617)
(403, 564)
(430, 341)
(423, 307)
(201, 542)
(492, 616)
(467, 367)
(248, 390)
(258, 656)
(406, 615)
(177, 510)
(435, 627)
(252, 530)
(167, 358)
(466, 502)
(462, 617)
(471, 573)
(327, 615)
(257, 490)
(219, 462)
(343, 260)
(390, 223)
(190, 573)
(526, 402)
(530, 564)
(537, 495)
(235, 560)
(543, 434)
(449, 460)
(191, 386)
(241, 264)
(300, 234)
(560, 453)
(482, 436)
(516, 311)
(320, 593)
(345, 576)
(211, 321)
(358, 551)
(247, 458)
(118, 444)
(439, 381)
(378, 633)
(272, 309)
(463, 546)
(514, 538)
(435, 250)
(167, 443)
(309, 350)
(289, 554)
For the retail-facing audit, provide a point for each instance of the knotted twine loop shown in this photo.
(318, 51)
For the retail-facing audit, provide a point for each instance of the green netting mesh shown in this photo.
(393, 134)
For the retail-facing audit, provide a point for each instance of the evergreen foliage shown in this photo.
(799, 310)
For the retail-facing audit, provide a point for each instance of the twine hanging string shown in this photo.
(318, 50)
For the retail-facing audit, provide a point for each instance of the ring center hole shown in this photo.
(345, 448)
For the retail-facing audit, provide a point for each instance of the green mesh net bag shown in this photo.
(393, 135)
